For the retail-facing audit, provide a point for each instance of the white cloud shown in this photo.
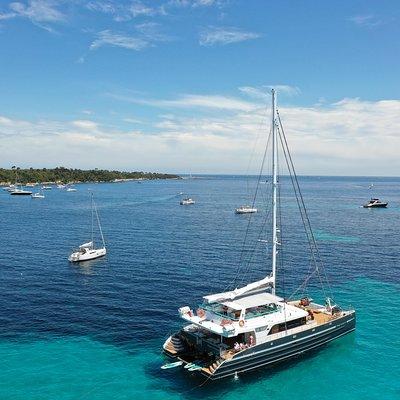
(263, 92)
(216, 102)
(194, 3)
(138, 8)
(124, 11)
(38, 10)
(345, 137)
(224, 35)
(108, 38)
(366, 20)
(85, 124)
(152, 32)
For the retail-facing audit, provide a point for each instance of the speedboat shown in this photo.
(251, 326)
(46, 187)
(88, 251)
(245, 210)
(375, 203)
(186, 201)
(70, 189)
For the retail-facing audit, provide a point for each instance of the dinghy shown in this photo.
(172, 365)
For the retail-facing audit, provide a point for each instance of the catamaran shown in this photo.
(87, 251)
(252, 326)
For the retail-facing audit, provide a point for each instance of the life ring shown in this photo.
(241, 323)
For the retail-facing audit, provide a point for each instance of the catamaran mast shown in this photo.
(274, 188)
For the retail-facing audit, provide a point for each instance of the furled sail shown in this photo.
(87, 245)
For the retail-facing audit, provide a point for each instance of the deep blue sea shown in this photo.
(95, 330)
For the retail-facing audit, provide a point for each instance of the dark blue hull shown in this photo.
(285, 347)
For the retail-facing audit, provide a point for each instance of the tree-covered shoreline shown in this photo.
(69, 175)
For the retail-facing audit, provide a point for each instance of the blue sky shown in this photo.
(180, 85)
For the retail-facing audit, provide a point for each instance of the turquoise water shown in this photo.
(95, 331)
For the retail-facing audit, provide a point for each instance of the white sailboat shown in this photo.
(38, 195)
(88, 251)
(251, 326)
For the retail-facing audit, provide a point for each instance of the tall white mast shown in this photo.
(274, 188)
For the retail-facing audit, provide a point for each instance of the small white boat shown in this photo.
(46, 187)
(60, 186)
(245, 210)
(87, 251)
(70, 189)
(9, 188)
(37, 196)
(172, 365)
(186, 201)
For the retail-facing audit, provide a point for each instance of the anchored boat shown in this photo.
(252, 326)
(87, 251)
(186, 201)
(245, 210)
(375, 203)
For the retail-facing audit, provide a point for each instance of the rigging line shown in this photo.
(281, 254)
(250, 217)
(92, 221)
(252, 155)
(296, 189)
(98, 222)
(260, 234)
(252, 251)
(305, 210)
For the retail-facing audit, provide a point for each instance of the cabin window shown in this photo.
(261, 328)
(289, 325)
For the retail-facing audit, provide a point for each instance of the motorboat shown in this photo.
(88, 251)
(251, 326)
(71, 189)
(245, 210)
(46, 187)
(186, 201)
(375, 203)
(20, 192)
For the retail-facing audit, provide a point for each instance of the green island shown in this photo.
(73, 175)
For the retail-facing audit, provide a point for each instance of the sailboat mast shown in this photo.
(274, 195)
(92, 221)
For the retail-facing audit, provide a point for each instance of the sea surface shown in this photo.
(95, 330)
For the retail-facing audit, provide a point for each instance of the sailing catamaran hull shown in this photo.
(278, 350)
(284, 348)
